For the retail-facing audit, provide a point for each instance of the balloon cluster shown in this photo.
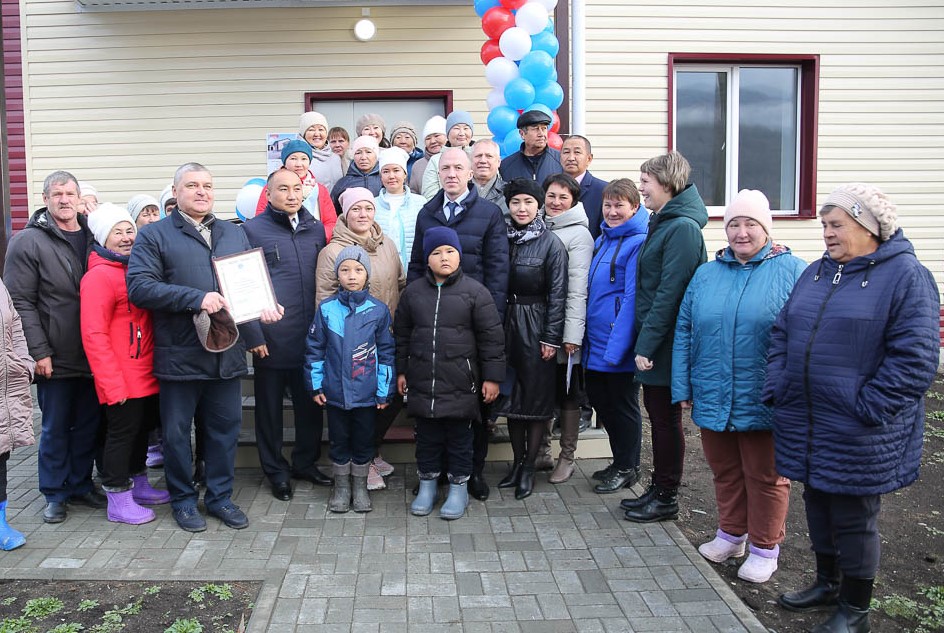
(247, 198)
(519, 65)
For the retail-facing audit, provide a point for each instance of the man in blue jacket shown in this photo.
(171, 273)
(575, 157)
(535, 160)
(291, 240)
(484, 241)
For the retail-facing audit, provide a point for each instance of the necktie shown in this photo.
(452, 206)
(294, 221)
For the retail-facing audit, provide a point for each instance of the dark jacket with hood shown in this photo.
(449, 340)
(291, 257)
(483, 237)
(851, 355)
(673, 250)
(356, 178)
(43, 274)
(170, 272)
(536, 168)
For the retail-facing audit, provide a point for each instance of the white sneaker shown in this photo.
(382, 466)
(723, 547)
(760, 564)
(374, 480)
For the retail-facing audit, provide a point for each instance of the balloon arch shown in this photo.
(519, 59)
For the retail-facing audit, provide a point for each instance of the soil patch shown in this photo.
(911, 525)
(38, 606)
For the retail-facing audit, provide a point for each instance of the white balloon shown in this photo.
(246, 200)
(547, 4)
(500, 71)
(532, 17)
(495, 98)
(515, 43)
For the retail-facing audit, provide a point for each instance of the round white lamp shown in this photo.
(364, 30)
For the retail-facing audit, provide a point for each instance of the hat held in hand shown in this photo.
(217, 332)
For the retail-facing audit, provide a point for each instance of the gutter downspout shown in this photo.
(578, 67)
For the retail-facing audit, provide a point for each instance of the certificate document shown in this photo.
(245, 283)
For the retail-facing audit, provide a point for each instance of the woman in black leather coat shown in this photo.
(534, 328)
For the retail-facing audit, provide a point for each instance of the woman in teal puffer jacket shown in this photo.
(719, 362)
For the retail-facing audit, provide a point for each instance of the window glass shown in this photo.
(701, 130)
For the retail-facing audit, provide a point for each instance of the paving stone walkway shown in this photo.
(562, 560)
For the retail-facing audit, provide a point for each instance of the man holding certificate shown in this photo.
(199, 354)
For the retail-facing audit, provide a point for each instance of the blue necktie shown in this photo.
(452, 206)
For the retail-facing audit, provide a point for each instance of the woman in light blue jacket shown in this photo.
(719, 362)
(397, 206)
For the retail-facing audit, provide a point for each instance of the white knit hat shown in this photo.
(137, 203)
(393, 156)
(308, 119)
(105, 218)
(435, 125)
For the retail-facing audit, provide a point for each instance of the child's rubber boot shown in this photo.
(425, 497)
(456, 502)
(341, 494)
(9, 538)
(361, 498)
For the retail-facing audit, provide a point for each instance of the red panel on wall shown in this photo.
(13, 91)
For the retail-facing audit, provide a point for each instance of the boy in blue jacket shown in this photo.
(349, 362)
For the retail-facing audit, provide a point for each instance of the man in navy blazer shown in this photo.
(576, 156)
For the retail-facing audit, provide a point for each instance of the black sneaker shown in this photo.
(189, 519)
(230, 514)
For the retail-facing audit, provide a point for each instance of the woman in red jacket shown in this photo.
(119, 344)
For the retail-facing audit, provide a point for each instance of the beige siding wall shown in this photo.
(123, 98)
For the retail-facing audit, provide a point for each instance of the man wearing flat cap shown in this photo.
(535, 160)
(198, 367)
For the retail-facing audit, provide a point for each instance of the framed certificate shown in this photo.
(245, 283)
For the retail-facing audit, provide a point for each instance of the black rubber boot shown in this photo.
(852, 616)
(662, 507)
(641, 500)
(824, 592)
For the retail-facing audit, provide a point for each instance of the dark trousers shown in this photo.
(439, 440)
(220, 406)
(71, 416)
(845, 526)
(126, 441)
(615, 396)
(668, 441)
(3, 476)
(270, 386)
(351, 434)
(480, 438)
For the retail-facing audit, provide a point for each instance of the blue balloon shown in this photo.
(537, 105)
(536, 67)
(256, 181)
(550, 94)
(511, 144)
(553, 75)
(501, 120)
(545, 41)
(550, 25)
(482, 6)
(519, 93)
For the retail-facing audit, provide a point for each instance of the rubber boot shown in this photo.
(513, 477)
(361, 500)
(341, 494)
(456, 503)
(569, 423)
(122, 508)
(852, 616)
(9, 538)
(525, 483)
(425, 497)
(155, 456)
(641, 500)
(544, 460)
(147, 495)
(662, 507)
(823, 593)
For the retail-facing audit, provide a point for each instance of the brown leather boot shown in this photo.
(569, 428)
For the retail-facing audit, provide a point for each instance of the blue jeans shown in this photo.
(351, 434)
(71, 416)
(220, 404)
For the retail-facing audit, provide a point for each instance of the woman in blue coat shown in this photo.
(719, 360)
(852, 354)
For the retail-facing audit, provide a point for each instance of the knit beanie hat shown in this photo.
(350, 197)
(308, 119)
(216, 332)
(438, 236)
(370, 119)
(105, 218)
(294, 146)
(364, 141)
(137, 203)
(526, 186)
(167, 193)
(435, 125)
(356, 253)
(750, 203)
(459, 116)
(404, 126)
(867, 205)
(86, 189)
(393, 156)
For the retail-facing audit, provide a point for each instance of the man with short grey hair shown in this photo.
(486, 157)
(44, 266)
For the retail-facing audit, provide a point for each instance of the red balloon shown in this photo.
(554, 140)
(513, 5)
(555, 124)
(496, 21)
(490, 51)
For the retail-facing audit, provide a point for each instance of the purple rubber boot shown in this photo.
(145, 494)
(123, 509)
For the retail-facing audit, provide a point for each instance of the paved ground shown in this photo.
(562, 560)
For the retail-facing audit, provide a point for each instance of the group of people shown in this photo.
(462, 287)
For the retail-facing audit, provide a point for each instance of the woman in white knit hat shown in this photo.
(434, 140)
(718, 368)
(325, 164)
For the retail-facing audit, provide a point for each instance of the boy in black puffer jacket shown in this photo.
(450, 349)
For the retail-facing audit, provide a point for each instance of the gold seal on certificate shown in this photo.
(245, 283)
